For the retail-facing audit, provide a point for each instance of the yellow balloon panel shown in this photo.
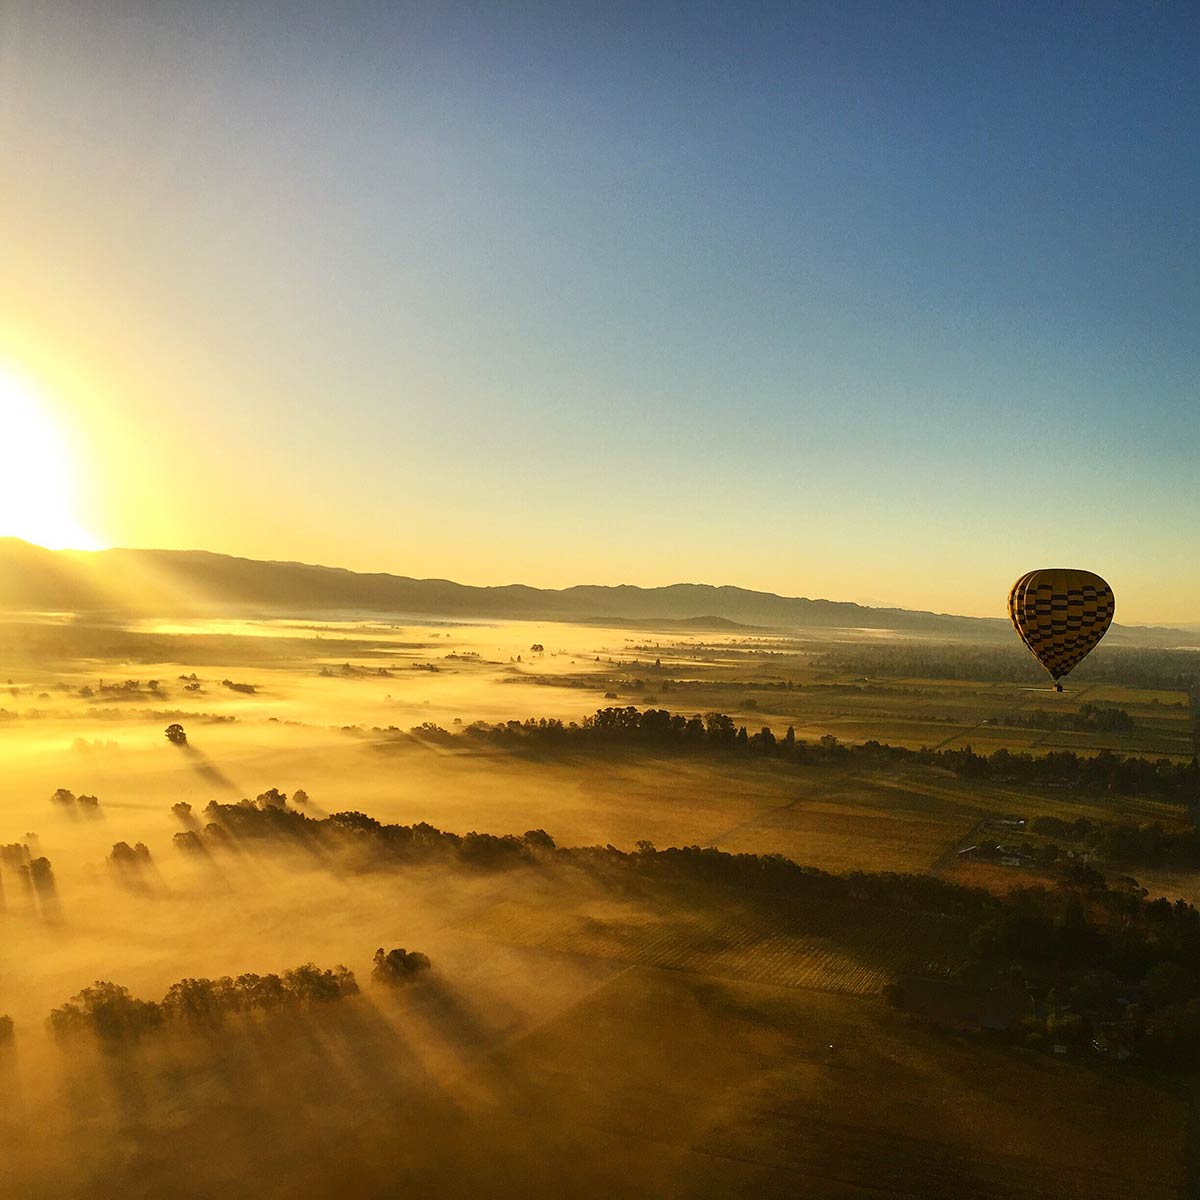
(1060, 614)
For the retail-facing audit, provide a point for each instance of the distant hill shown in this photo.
(194, 582)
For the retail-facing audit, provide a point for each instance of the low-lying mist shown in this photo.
(210, 831)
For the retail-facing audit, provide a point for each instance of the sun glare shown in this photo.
(37, 476)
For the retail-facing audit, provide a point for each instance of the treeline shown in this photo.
(266, 818)
(108, 1011)
(111, 1013)
(422, 843)
(1091, 718)
(1129, 666)
(1147, 845)
(775, 877)
(659, 730)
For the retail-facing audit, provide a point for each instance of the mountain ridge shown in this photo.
(202, 582)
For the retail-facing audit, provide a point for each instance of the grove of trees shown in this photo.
(110, 1012)
(662, 732)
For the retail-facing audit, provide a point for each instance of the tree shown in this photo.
(538, 839)
(310, 985)
(41, 874)
(176, 734)
(263, 992)
(721, 729)
(395, 967)
(200, 1002)
(106, 1010)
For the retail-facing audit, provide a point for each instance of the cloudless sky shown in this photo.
(887, 302)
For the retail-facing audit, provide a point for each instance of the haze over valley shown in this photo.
(481, 756)
(447, 747)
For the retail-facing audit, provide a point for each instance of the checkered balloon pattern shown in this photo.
(1060, 615)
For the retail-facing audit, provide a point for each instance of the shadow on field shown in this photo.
(257, 1089)
(204, 766)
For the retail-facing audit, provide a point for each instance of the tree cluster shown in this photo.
(659, 730)
(110, 1012)
(127, 857)
(396, 967)
(1102, 965)
(15, 854)
(356, 832)
(38, 872)
(1091, 718)
(1126, 842)
(128, 689)
(67, 798)
(988, 662)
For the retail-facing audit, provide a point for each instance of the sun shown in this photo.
(38, 479)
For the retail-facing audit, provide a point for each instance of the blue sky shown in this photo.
(864, 301)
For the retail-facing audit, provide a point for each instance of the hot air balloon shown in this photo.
(1060, 614)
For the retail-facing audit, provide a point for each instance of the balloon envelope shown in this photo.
(1060, 615)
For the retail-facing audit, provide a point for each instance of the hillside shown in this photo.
(175, 582)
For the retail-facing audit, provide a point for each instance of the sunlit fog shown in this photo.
(599, 602)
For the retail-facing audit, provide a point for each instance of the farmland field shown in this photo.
(828, 946)
(750, 1090)
(766, 1091)
(720, 1043)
